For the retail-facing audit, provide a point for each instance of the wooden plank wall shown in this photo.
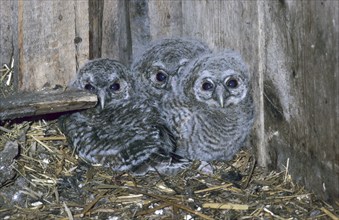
(8, 42)
(299, 58)
(6, 32)
(290, 46)
(50, 40)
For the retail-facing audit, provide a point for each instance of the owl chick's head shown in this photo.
(106, 78)
(217, 80)
(156, 66)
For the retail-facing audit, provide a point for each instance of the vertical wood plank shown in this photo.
(165, 18)
(47, 42)
(262, 153)
(95, 28)
(6, 32)
(8, 48)
(224, 24)
(116, 33)
(151, 20)
(81, 38)
(139, 25)
(301, 91)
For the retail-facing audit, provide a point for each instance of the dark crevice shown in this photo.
(128, 53)
(95, 10)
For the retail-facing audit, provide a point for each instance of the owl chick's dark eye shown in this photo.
(232, 83)
(115, 87)
(161, 76)
(207, 86)
(89, 87)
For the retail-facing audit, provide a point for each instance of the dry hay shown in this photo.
(6, 78)
(47, 181)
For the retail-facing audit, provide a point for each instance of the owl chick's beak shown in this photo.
(101, 97)
(219, 95)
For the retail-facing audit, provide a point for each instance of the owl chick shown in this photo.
(126, 134)
(160, 61)
(211, 110)
(102, 77)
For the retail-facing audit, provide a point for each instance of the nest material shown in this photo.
(45, 180)
(6, 78)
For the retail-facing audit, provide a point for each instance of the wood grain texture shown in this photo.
(301, 84)
(81, 37)
(116, 33)
(139, 20)
(45, 102)
(6, 32)
(165, 18)
(46, 35)
(95, 28)
(8, 45)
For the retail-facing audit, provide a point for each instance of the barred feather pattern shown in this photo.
(125, 135)
(130, 139)
(160, 61)
(210, 121)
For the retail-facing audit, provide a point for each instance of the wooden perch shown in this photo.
(45, 102)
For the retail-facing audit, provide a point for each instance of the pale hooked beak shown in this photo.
(219, 92)
(101, 97)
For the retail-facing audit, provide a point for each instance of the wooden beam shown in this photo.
(45, 102)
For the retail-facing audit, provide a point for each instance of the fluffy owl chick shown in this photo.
(126, 135)
(102, 77)
(155, 67)
(211, 111)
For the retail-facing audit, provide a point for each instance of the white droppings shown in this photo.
(265, 188)
(188, 217)
(190, 199)
(159, 212)
(46, 161)
(35, 204)
(16, 196)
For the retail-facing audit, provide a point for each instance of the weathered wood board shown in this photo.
(8, 48)
(6, 32)
(52, 41)
(300, 57)
(45, 102)
(116, 33)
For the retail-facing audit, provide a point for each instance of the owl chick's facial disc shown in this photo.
(218, 81)
(103, 77)
(219, 88)
(157, 65)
